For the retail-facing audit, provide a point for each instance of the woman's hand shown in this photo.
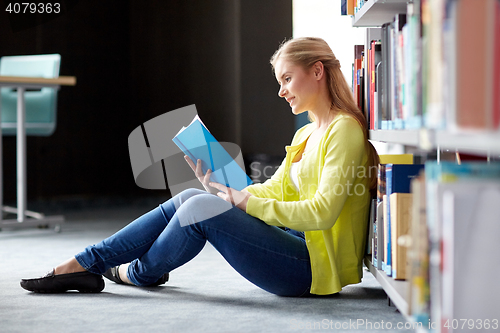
(203, 178)
(234, 197)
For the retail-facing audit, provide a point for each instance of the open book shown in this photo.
(198, 143)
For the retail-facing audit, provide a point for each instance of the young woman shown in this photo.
(319, 196)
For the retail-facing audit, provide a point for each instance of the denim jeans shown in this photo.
(167, 237)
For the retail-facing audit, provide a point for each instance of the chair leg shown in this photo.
(21, 155)
(29, 213)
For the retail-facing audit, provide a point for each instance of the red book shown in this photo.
(475, 63)
(357, 88)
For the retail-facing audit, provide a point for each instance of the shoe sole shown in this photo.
(59, 291)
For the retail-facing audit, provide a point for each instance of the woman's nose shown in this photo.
(281, 92)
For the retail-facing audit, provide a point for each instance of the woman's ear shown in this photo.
(318, 69)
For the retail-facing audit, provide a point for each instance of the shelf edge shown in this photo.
(388, 284)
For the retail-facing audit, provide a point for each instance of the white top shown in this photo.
(294, 169)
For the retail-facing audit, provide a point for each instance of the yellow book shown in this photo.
(396, 159)
(401, 209)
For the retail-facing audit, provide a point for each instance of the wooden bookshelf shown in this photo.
(374, 13)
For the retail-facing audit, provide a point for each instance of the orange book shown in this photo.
(350, 7)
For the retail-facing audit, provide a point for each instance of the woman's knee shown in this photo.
(201, 208)
(185, 195)
(189, 193)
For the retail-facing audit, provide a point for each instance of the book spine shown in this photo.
(371, 84)
(496, 72)
(398, 84)
(415, 60)
(408, 68)
(358, 66)
(374, 237)
(379, 235)
(475, 26)
(401, 207)
(387, 223)
(371, 228)
(378, 95)
(380, 230)
(350, 7)
(450, 59)
(386, 76)
(343, 7)
(393, 213)
(385, 230)
(419, 305)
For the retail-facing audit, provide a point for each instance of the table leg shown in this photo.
(21, 156)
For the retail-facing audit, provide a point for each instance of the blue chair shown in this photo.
(41, 105)
(40, 120)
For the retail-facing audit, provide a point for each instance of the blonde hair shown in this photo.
(305, 52)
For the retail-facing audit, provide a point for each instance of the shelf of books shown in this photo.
(431, 83)
(376, 12)
(428, 76)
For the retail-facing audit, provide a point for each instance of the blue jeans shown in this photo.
(167, 237)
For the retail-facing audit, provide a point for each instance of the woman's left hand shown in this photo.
(234, 197)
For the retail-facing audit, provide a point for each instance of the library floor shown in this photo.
(205, 295)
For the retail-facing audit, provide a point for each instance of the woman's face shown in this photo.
(300, 87)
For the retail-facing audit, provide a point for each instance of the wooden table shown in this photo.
(26, 218)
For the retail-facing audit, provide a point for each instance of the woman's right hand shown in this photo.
(203, 178)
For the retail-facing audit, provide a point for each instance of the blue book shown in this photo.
(343, 7)
(398, 180)
(199, 144)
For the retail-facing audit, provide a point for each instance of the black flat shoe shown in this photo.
(113, 275)
(84, 282)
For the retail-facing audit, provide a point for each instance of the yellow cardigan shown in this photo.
(331, 206)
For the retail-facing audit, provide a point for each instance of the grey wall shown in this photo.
(135, 60)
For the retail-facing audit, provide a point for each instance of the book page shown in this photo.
(192, 121)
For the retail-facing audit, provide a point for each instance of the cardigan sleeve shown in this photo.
(342, 154)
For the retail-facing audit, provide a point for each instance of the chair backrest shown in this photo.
(41, 105)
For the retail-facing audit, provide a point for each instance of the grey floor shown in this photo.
(205, 295)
